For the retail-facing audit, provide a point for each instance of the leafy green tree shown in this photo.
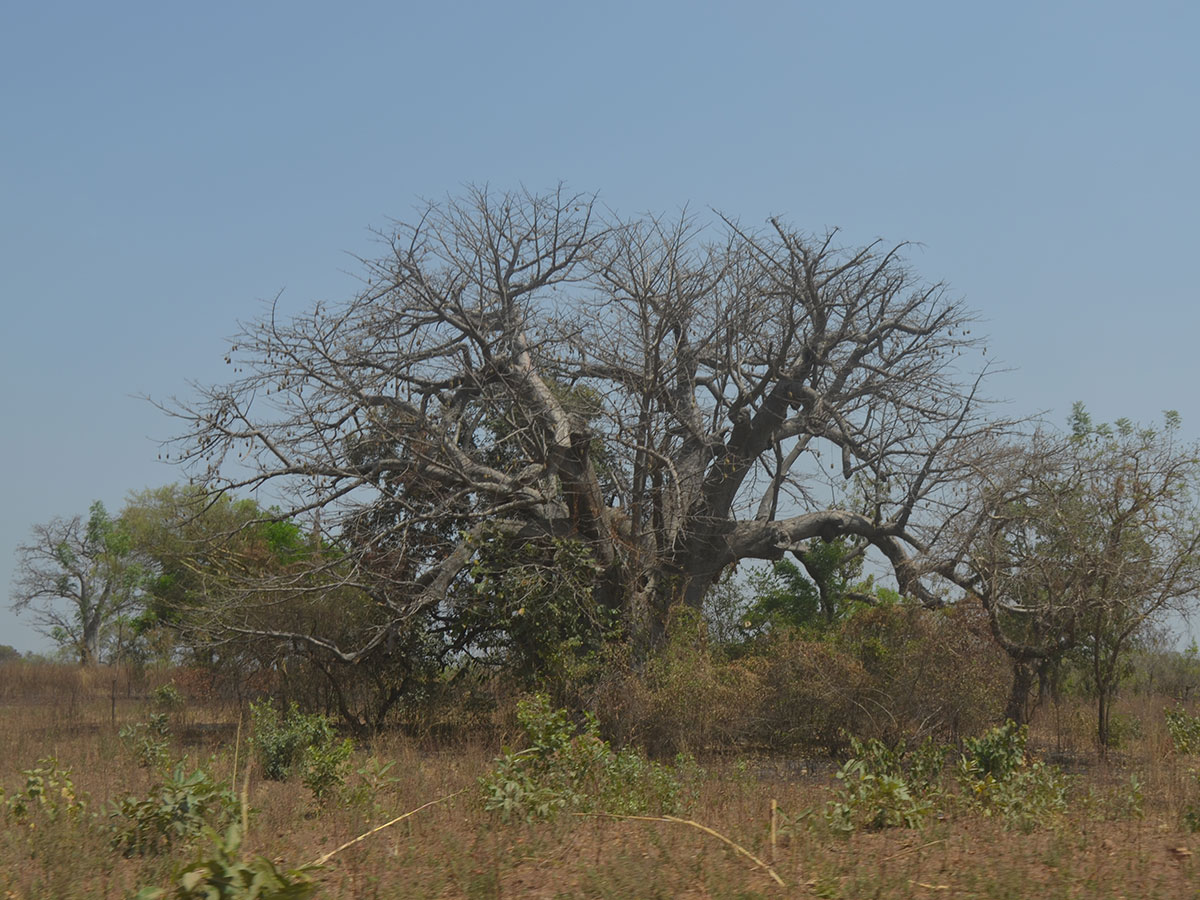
(1136, 530)
(251, 595)
(79, 579)
(197, 550)
(819, 593)
(529, 609)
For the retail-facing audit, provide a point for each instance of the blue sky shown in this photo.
(165, 167)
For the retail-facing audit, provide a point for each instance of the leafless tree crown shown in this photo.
(678, 397)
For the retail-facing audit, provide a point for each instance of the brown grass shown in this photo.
(455, 849)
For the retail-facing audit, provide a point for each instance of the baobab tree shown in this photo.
(675, 398)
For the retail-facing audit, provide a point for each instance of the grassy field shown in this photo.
(1122, 834)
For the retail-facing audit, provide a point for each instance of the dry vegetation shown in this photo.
(1118, 837)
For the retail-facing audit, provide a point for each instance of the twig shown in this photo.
(694, 824)
(320, 861)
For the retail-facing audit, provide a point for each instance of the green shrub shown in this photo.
(373, 782)
(999, 752)
(167, 698)
(921, 767)
(870, 801)
(323, 767)
(884, 787)
(280, 739)
(49, 792)
(178, 809)
(306, 744)
(48, 822)
(1122, 729)
(223, 874)
(149, 741)
(1191, 814)
(569, 768)
(1184, 730)
(1135, 798)
(998, 780)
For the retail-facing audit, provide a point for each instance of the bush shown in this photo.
(812, 694)
(47, 820)
(49, 792)
(167, 698)
(685, 699)
(998, 753)
(149, 741)
(997, 779)
(224, 874)
(323, 767)
(885, 787)
(178, 809)
(570, 768)
(1184, 730)
(896, 672)
(373, 783)
(925, 672)
(300, 743)
(1123, 729)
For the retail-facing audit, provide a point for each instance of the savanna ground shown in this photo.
(1123, 832)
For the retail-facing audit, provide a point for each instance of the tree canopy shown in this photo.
(1083, 540)
(675, 398)
(79, 578)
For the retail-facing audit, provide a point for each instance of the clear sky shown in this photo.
(164, 167)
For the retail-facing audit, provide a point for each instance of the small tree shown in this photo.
(819, 590)
(1134, 530)
(1089, 540)
(78, 579)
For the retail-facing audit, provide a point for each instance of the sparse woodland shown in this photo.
(617, 558)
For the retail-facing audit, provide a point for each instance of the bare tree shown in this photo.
(676, 398)
(78, 578)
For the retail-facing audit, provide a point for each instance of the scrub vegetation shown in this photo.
(580, 555)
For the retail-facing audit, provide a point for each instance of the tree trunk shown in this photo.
(1018, 697)
(1048, 678)
(1103, 711)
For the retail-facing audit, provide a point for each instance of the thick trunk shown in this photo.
(89, 646)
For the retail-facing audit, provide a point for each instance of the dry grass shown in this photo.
(455, 849)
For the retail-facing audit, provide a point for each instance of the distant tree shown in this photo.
(199, 550)
(246, 593)
(78, 578)
(1087, 541)
(819, 590)
(8, 654)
